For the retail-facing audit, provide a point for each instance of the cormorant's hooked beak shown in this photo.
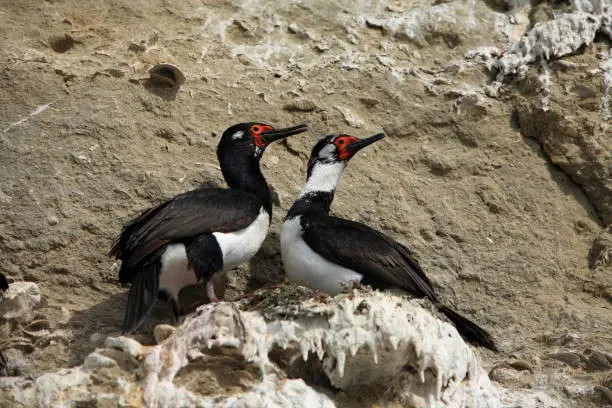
(269, 136)
(361, 143)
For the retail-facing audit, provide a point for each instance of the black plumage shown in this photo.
(193, 217)
(182, 219)
(381, 262)
(3, 370)
(3, 287)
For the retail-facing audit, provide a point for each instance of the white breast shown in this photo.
(174, 274)
(239, 246)
(306, 267)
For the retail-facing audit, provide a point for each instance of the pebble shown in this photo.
(20, 300)
(598, 361)
(136, 47)
(125, 344)
(375, 22)
(293, 28)
(52, 220)
(97, 339)
(322, 47)
(96, 360)
(16, 364)
(518, 365)
(66, 315)
(569, 358)
(301, 105)
(350, 118)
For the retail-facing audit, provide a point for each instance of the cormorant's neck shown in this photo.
(243, 172)
(318, 193)
(314, 202)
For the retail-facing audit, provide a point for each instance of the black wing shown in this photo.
(183, 217)
(383, 262)
(3, 372)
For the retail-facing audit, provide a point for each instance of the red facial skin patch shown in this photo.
(256, 130)
(341, 143)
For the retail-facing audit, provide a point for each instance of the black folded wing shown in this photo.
(181, 218)
(383, 262)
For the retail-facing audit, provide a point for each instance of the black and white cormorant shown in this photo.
(194, 235)
(328, 253)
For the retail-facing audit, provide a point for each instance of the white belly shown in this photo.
(237, 247)
(240, 246)
(306, 267)
(174, 274)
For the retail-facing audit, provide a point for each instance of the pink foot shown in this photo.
(323, 297)
(210, 291)
(356, 284)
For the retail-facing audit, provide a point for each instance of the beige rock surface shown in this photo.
(500, 187)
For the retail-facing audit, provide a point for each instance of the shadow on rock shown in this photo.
(105, 319)
(266, 267)
(565, 182)
(166, 93)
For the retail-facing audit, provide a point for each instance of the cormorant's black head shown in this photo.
(3, 284)
(252, 138)
(337, 149)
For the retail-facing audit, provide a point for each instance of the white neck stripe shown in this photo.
(324, 177)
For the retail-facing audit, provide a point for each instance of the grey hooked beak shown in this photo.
(269, 136)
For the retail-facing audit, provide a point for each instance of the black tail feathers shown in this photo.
(469, 330)
(3, 371)
(141, 298)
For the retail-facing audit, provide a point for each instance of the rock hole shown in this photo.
(61, 44)
(410, 369)
(311, 371)
(166, 76)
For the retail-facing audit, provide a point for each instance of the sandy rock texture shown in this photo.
(495, 170)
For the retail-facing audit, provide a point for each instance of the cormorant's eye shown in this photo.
(256, 129)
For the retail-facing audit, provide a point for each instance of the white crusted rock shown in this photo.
(96, 360)
(162, 332)
(125, 344)
(556, 38)
(363, 340)
(20, 300)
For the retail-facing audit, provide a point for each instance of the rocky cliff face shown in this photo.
(496, 170)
